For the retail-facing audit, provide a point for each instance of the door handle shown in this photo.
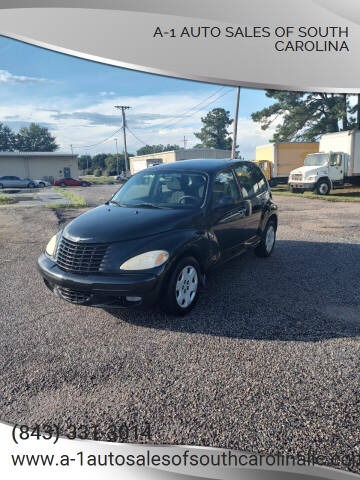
(242, 212)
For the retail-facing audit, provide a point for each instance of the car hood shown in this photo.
(310, 170)
(111, 223)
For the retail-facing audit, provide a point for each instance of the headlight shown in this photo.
(146, 260)
(311, 178)
(52, 245)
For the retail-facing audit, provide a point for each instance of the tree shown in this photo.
(7, 139)
(305, 116)
(214, 133)
(35, 139)
(148, 149)
(111, 164)
(84, 162)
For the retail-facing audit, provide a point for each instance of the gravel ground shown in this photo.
(268, 361)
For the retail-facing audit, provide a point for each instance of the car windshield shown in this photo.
(172, 189)
(316, 159)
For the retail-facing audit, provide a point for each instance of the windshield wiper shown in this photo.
(144, 205)
(117, 203)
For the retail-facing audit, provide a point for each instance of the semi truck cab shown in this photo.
(321, 172)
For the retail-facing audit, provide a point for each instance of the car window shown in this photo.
(225, 190)
(335, 160)
(251, 180)
(164, 189)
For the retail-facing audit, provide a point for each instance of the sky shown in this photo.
(75, 99)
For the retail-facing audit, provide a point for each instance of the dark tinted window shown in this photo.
(251, 180)
(225, 190)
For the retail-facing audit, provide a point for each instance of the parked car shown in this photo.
(11, 181)
(160, 234)
(71, 182)
(40, 183)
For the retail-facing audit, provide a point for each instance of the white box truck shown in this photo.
(337, 163)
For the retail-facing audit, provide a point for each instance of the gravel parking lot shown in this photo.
(268, 361)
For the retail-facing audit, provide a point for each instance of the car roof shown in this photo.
(197, 164)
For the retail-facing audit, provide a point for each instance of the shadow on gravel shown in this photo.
(306, 291)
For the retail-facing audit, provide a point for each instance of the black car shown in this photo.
(159, 235)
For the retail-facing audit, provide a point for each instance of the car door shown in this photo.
(336, 167)
(255, 192)
(228, 213)
(13, 182)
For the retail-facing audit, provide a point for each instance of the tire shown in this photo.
(1, 186)
(267, 244)
(31, 185)
(323, 187)
(62, 184)
(84, 184)
(41, 185)
(186, 273)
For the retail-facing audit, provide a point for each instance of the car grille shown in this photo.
(296, 176)
(81, 258)
(73, 296)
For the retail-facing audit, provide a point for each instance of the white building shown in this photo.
(39, 165)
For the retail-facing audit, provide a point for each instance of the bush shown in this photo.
(97, 172)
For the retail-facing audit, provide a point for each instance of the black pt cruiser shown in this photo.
(159, 235)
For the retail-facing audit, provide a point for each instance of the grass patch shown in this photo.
(75, 200)
(338, 195)
(100, 180)
(6, 199)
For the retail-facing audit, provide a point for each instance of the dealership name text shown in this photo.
(287, 38)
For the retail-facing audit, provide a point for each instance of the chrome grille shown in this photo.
(73, 296)
(82, 258)
(296, 177)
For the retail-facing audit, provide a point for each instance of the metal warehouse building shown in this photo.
(144, 161)
(39, 165)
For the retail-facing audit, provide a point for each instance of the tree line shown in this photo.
(295, 116)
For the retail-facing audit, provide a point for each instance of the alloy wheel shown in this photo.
(186, 286)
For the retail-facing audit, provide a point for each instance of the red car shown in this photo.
(71, 182)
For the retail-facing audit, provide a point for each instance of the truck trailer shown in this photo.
(276, 160)
(337, 163)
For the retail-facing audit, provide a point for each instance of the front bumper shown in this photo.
(101, 290)
(309, 186)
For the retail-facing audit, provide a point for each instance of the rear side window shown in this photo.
(251, 180)
(225, 190)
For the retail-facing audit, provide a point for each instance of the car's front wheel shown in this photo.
(84, 184)
(41, 184)
(31, 185)
(182, 291)
(267, 244)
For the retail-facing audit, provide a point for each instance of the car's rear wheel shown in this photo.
(84, 184)
(182, 292)
(62, 184)
(267, 244)
(31, 185)
(42, 184)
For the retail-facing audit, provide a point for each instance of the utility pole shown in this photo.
(72, 150)
(117, 157)
(236, 115)
(185, 142)
(123, 108)
(358, 112)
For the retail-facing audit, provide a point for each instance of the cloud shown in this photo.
(154, 119)
(105, 94)
(17, 124)
(7, 77)
(96, 118)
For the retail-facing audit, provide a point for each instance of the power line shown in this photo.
(98, 143)
(169, 120)
(135, 136)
